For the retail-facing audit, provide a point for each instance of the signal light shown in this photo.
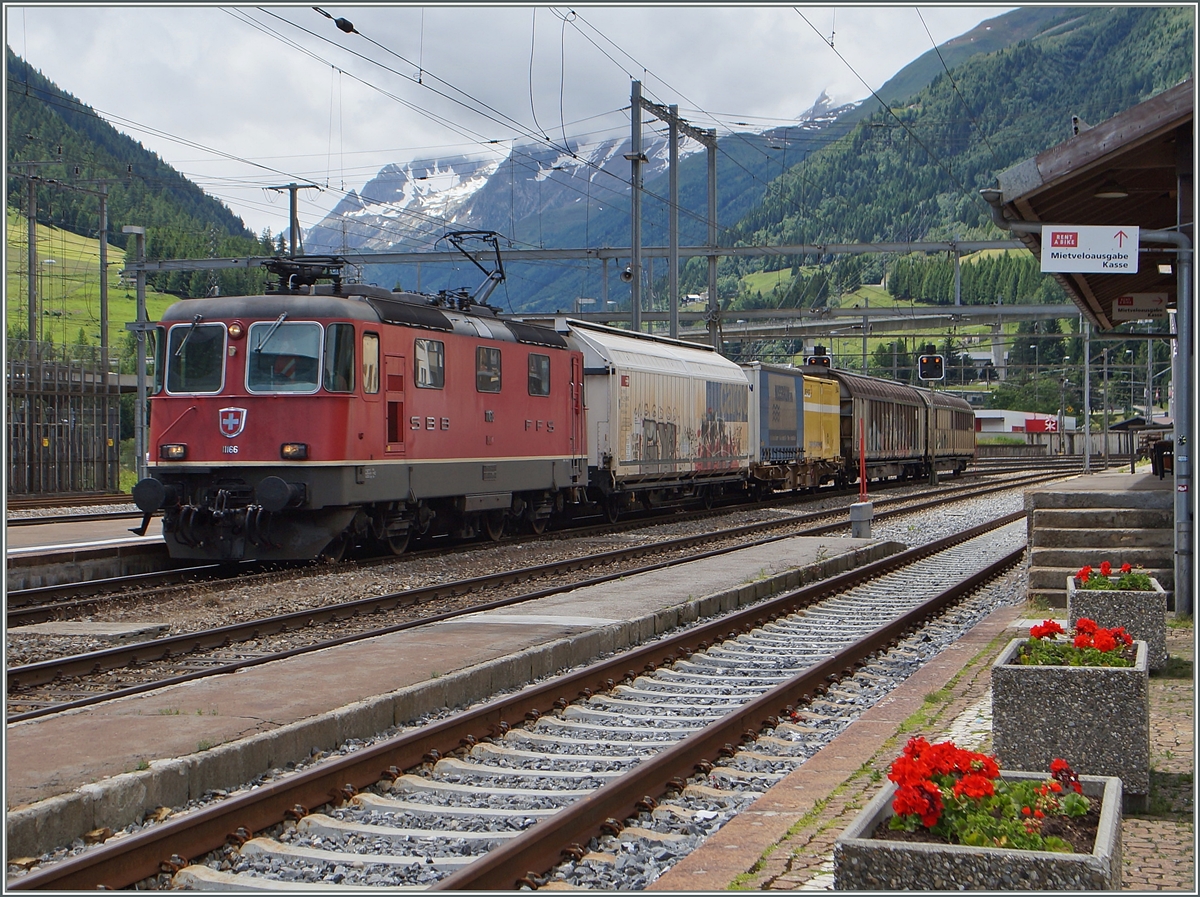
(818, 360)
(931, 367)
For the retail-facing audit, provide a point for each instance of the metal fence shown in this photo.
(63, 420)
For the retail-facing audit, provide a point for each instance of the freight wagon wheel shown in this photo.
(706, 497)
(612, 508)
(399, 543)
(537, 525)
(493, 522)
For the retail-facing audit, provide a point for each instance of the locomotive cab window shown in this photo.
(370, 363)
(283, 356)
(430, 360)
(195, 358)
(539, 375)
(487, 369)
(339, 358)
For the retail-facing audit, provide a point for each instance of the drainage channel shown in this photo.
(474, 808)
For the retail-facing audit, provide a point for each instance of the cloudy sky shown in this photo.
(240, 98)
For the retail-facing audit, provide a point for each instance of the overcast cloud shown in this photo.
(239, 98)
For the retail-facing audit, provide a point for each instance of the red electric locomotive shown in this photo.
(290, 425)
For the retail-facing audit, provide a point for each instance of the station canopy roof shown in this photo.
(1133, 170)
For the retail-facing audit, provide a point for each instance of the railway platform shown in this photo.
(110, 764)
(784, 841)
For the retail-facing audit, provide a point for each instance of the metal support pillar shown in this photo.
(1087, 396)
(1183, 377)
(673, 220)
(636, 157)
(295, 236)
(32, 335)
(104, 282)
(714, 305)
(957, 276)
(140, 326)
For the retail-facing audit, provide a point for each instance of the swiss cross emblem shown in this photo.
(232, 421)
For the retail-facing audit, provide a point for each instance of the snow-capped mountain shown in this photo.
(553, 196)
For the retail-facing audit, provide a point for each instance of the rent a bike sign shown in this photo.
(1087, 249)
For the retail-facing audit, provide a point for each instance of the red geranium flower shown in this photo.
(1045, 629)
(1105, 568)
(1083, 624)
(1125, 568)
(1083, 640)
(923, 799)
(1083, 574)
(1104, 641)
(909, 770)
(974, 786)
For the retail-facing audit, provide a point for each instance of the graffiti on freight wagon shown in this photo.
(706, 433)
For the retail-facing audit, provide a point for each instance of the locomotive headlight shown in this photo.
(294, 451)
(237, 330)
(172, 452)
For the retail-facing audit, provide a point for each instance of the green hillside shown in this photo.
(914, 172)
(79, 153)
(68, 287)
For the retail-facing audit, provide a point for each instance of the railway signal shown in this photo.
(818, 358)
(931, 367)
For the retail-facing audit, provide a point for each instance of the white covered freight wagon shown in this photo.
(666, 420)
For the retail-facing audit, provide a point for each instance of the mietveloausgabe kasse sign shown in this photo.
(1087, 249)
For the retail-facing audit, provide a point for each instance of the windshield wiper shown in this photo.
(270, 332)
(187, 336)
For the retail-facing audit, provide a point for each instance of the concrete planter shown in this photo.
(1095, 718)
(860, 863)
(1143, 614)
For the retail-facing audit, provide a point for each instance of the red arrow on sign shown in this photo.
(1121, 237)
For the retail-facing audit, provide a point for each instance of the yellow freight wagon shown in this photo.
(822, 416)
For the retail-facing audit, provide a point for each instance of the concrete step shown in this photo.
(1043, 577)
(1151, 493)
(1056, 598)
(1096, 518)
(1105, 540)
(1074, 558)
(1104, 517)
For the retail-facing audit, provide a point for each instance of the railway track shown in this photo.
(71, 500)
(35, 605)
(642, 753)
(73, 681)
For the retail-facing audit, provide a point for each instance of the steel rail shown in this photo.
(74, 518)
(529, 856)
(69, 500)
(48, 671)
(123, 862)
(35, 605)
